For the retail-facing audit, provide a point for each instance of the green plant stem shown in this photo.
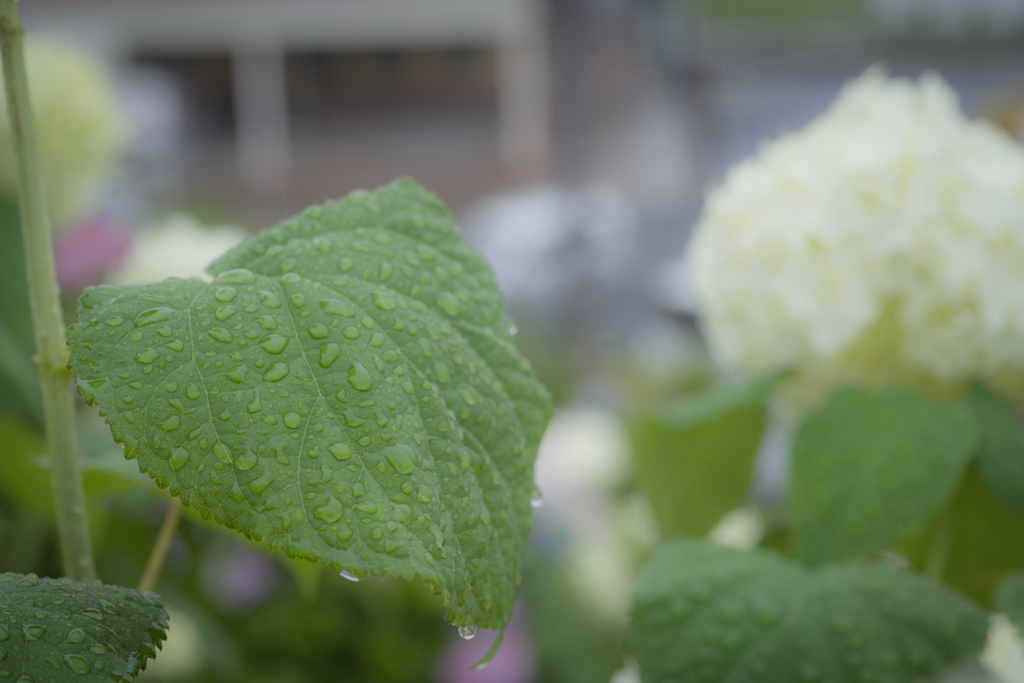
(47, 316)
(160, 548)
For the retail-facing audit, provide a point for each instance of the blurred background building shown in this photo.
(606, 119)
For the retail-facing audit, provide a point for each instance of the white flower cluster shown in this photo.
(883, 242)
(79, 127)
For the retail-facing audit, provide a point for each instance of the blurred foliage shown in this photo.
(974, 545)
(572, 646)
(695, 459)
(870, 467)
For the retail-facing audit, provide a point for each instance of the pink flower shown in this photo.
(85, 252)
(515, 661)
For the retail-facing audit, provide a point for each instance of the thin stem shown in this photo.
(160, 548)
(47, 316)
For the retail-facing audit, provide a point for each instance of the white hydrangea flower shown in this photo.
(883, 242)
(177, 246)
(79, 126)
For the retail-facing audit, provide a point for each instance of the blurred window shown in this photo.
(204, 82)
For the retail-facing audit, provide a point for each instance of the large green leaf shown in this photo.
(695, 459)
(60, 630)
(1000, 459)
(871, 468)
(708, 614)
(346, 389)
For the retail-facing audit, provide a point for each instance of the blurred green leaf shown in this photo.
(1010, 599)
(1000, 458)
(695, 460)
(974, 539)
(19, 380)
(708, 613)
(346, 390)
(870, 468)
(63, 630)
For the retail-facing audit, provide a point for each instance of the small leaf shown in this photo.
(1010, 600)
(871, 469)
(705, 613)
(60, 630)
(362, 405)
(695, 461)
(971, 536)
(1000, 459)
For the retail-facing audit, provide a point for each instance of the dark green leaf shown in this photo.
(60, 630)
(1000, 459)
(871, 468)
(971, 544)
(695, 459)
(708, 614)
(1010, 599)
(346, 390)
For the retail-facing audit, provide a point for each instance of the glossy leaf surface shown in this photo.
(346, 389)
(709, 614)
(60, 630)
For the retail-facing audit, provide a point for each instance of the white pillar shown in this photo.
(261, 116)
(524, 126)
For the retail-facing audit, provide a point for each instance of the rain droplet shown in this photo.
(442, 372)
(467, 631)
(274, 343)
(179, 459)
(536, 500)
(247, 461)
(292, 420)
(225, 294)
(331, 512)
(291, 278)
(328, 354)
(383, 301)
(115, 321)
(75, 636)
(225, 312)
(346, 575)
(5, 632)
(92, 613)
(385, 271)
(220, 334)
(340, 451)
(147, 356)
(192, 391)
(318, 331)
(276, 372)
(336, 307)
(77, 664)
(269, 299)
(33, 631)
(468, 394)
(237, 276)
(298, 300)
(359, 378)
(153, 315)
(401, 458)
(447, 302)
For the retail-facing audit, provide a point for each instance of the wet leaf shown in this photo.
(705, 613)
(60, 630)
(346, 389)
